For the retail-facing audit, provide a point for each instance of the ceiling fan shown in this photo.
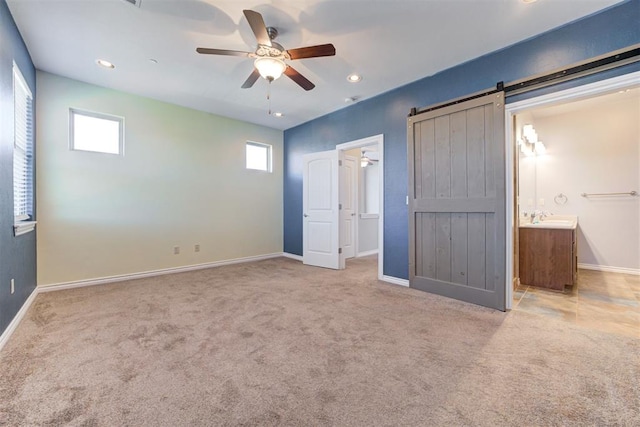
(367, 160)
(270, 57)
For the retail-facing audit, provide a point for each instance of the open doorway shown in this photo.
(362, 199)
(575, 156)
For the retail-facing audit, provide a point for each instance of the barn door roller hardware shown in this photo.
(499, 88)
(592, 66)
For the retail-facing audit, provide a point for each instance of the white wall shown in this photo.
(181, 182)
(594, 150)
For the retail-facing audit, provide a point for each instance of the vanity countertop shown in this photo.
(567, 222)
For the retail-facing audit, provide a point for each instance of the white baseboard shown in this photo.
(292, 256)
(395, 281)
(610, 269)
(161, 272)
(366, 253)
(17, 319)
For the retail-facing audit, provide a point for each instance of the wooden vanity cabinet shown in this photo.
(548, 257)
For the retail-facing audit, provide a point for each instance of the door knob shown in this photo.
(353, 214)
(305, 215)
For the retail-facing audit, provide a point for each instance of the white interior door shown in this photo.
(348, 203)
(320, 207)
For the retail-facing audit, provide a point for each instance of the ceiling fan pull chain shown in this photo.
(269, 95)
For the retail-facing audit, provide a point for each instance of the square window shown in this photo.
(100, 133)
(259, 156)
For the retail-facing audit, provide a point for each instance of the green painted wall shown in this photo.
(182, 181)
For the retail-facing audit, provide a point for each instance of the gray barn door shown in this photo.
(457, 201)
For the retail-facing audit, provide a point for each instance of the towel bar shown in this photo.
(628, 193)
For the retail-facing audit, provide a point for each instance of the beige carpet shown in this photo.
(278, 343)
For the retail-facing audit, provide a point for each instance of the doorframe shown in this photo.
(356, 204)
(511, 110)
(363, 142)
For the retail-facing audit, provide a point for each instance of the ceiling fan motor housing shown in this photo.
(275, 50)
(272, 32)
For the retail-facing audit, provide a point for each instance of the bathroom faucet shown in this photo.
(539, 214)
(535, 214)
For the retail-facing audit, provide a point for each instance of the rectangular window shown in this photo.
(259, 156)
(22, 148)
(97, 132)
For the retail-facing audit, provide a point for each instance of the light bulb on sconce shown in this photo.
(530, 134)
(529, 144)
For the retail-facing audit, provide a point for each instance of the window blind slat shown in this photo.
(23, 148)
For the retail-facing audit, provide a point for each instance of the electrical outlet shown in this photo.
(196, 248)
(13, 285)
(176, 250)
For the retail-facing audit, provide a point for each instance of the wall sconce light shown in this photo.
(529, 143)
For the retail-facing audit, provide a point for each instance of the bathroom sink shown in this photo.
(568, 222)
(556, 221)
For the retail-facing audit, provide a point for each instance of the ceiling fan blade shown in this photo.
(312, 51)
(207, 51)
(302, 81)
(257, 25)
(251, 79)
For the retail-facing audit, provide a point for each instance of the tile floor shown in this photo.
(607, 302)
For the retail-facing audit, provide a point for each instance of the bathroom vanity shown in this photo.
(548, 255)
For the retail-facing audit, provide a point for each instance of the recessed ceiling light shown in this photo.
(351, 99)
(278, 114)
(354, 78)
(153, 61)
(529, 1)
(105, 64)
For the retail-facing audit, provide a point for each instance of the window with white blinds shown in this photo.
(22, 148)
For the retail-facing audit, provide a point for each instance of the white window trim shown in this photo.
(23, 227)
(22, 223)
(269, 148)
(97, 115)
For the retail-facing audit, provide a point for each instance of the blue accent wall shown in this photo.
(17, 254)
(598, 34)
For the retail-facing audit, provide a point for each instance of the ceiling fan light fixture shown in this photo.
(270, 68)
(364, 160)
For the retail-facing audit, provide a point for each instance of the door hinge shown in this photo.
(340, 206)
(339, 162)
(339, 250)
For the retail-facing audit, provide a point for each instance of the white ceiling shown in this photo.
(389, 42)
